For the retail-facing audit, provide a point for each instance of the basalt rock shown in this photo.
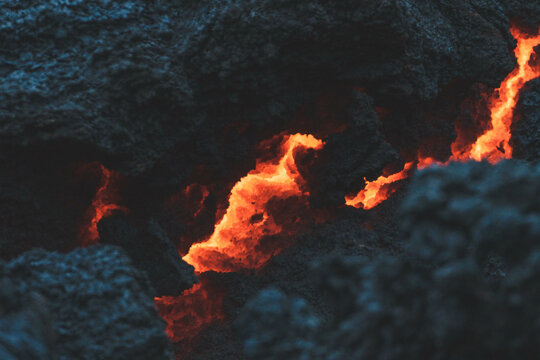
(25, 327)
(466, 288)
(137, 82)
(100, 306)
(151, 251)
(526, 130)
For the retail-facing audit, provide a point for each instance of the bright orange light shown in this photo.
(375, 192)
(235, 242)
(102, 205)
(494, 144)
(188, 314)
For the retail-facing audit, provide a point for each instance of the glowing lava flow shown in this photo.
(235, 243)
(375, 192)
(102, 206)
(493, 145)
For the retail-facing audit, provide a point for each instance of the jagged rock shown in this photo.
(25, 327)
(450, 210)
(288, 326)
(349, 156)
(139, 81)
(441, 299)
(100, 306)
(151, 251)
(526, 130)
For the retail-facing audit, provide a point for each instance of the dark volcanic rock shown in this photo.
(141, 81)
(524, 12)
(467, 289)
(350, 156)
(451, 210)
(100, 306)
(526, 130)
(151, 251)
(25, 327)
(288, 327)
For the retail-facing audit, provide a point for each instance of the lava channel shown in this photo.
(493, 145)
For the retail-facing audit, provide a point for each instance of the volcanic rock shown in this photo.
(526, 130)
(25, 327)
(150, 251)
(141, 83)
(100, 306)
(440, 300)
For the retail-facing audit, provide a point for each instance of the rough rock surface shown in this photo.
(100, 306)
(139, 81)
(467, 287)
(349, 156)
(150, 251)
(25, 327)
(182, 91)
(526, 131)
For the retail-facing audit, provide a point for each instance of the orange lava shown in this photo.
(188, 314)
(102, 205)
(235, 243)
(494, 144)
(375, 192)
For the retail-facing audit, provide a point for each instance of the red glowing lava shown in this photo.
(188, 314)
(493, 145)
(103, 204)
(375, 192)
(235, 243)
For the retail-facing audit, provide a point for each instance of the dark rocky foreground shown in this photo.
(466, 286)
(88, 304)
(168, 94)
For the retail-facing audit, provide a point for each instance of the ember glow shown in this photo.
(102, 205)
(234, 245)
(375, 192)
(493, 145)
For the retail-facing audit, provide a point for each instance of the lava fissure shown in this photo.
(493, 145)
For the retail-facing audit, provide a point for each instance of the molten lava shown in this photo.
(494, 144)
(375, 192)
(235, 243)
(195, 309)
(102, 205)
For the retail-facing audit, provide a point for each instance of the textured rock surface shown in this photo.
(150, 251)
(467, 288)
(100, 306)
(135, 80)
(183, 91)
(526, 131)
(25, 327)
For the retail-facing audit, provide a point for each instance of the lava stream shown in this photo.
(493, 145)
(235, 242)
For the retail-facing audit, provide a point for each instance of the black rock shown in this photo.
(100, 306)
(150, 251)
(25, 327)
(526, 130)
